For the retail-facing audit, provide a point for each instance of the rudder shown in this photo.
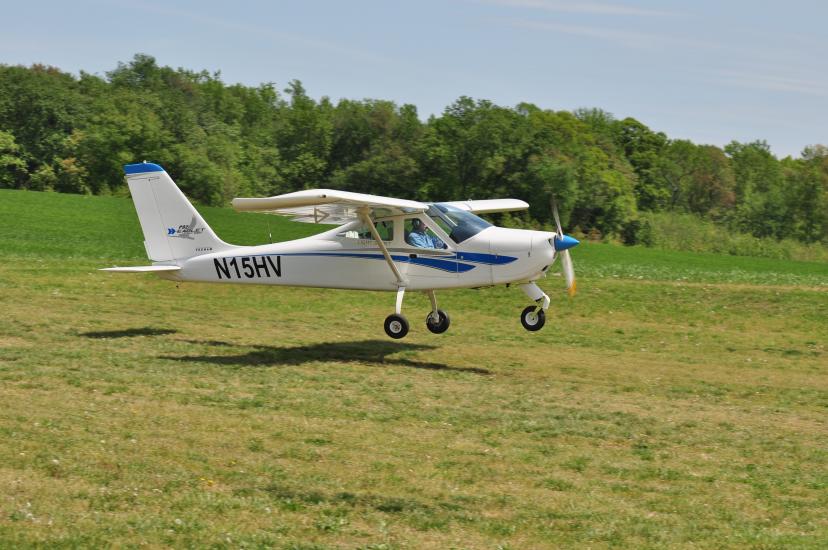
(173, 228)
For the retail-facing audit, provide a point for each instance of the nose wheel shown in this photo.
(533, 318)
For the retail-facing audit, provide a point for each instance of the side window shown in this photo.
(419, 235)
(384, 228)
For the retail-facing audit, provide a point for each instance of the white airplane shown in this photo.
(379, 243)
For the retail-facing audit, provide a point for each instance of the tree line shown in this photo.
(74, 134)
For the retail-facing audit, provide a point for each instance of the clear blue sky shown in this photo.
(709, 71)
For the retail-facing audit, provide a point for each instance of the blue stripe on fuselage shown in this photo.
(437, 263)
(488, 259)
(441, 264)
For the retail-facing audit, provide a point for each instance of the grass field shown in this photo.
(680, 400)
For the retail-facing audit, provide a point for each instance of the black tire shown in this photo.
(396, 326)
(442, 325)
(533, 318)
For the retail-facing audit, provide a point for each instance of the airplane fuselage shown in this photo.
(341, 258)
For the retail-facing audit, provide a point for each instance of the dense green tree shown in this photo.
(304, 135)
(759, 189)
(698, 178)
(74, 134)
(41, 107)
(373, 148)
(474, 148)
(13, 171)
(606, 192)
(806, 195)
(643, 149)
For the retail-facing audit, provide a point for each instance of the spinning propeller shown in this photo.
(562, 245)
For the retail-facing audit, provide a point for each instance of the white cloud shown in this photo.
(594, 8)
(772, 82)
(299, 40)
(630, 39)
(627, 38)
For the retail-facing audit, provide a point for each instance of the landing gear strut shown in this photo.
(534, 317)
(396, 325)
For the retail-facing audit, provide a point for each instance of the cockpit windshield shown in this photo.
(459, 224)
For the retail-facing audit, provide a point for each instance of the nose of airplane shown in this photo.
(565, 242)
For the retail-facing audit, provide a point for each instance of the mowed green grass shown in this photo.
(680, 400)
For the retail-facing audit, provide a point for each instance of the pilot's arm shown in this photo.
(420, 240)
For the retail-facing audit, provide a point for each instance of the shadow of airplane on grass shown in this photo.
(129, 332)
(366, 351)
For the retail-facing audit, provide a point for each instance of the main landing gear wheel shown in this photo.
(396, 326)
(440, 326)
(533, 318)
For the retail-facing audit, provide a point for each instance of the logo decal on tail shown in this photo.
(185, 231)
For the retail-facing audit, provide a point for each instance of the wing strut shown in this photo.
(366, 219)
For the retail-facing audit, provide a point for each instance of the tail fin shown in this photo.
(173, 229)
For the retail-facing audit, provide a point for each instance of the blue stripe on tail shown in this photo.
(141, 167)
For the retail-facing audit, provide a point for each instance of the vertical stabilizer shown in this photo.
(173, 229)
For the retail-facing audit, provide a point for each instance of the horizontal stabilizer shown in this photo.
(142, 269)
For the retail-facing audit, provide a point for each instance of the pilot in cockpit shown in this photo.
(419, 237)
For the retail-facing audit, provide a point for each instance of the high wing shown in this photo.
(488, 206)
(327, 205)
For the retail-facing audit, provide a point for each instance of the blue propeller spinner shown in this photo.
(565, 242)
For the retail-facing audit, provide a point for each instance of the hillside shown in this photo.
(677, 401)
